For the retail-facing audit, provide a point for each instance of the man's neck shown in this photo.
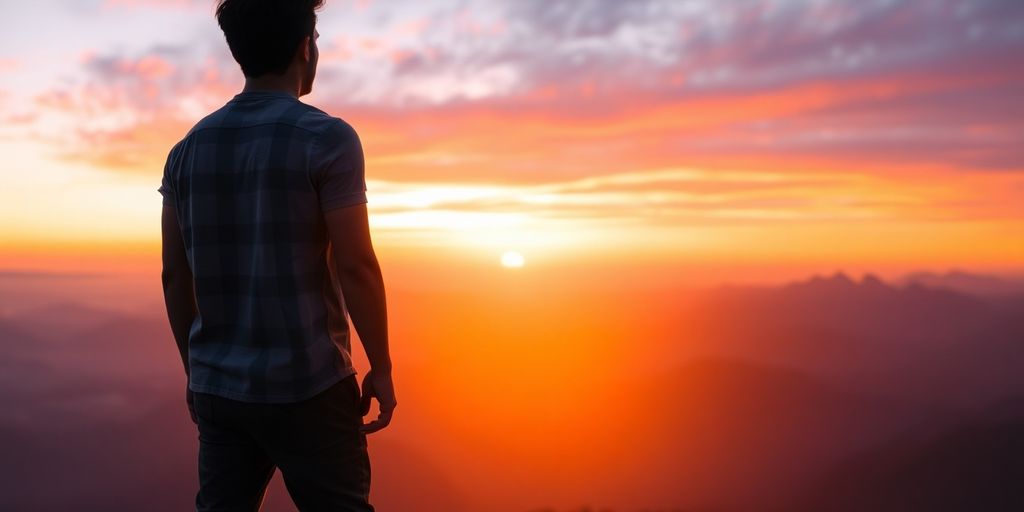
(268, 82)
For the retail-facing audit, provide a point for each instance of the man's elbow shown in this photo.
(366, 265)
(175, 276)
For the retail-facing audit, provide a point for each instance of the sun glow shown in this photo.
(512, 259)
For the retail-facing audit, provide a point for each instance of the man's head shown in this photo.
(274, 37)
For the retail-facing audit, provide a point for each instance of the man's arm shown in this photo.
(179, 291)
(363, 287)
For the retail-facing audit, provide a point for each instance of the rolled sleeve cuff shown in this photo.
(345, 200)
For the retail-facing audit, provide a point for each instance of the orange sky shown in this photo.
(625, 150)
(763, 140)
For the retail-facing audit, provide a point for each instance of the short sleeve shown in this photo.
(338, 168)
(166, 189)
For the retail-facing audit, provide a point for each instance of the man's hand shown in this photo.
(191, 407)
(377, 384)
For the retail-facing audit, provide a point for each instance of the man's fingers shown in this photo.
(383, 419)
(386, 408)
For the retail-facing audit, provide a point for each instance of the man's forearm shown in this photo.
(367, 306)
(179, 297)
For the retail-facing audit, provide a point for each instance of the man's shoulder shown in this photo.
(315, 121)
(293, 112)
(324, 124)
(210, 120)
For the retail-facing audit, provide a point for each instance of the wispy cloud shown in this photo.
(573, 116)
(577, 85)
(677, 197)
(127, 106)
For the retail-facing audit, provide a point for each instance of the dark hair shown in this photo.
(264, 34)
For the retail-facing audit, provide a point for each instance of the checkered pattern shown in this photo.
(250, 183)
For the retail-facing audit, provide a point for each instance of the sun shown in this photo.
(512, 259)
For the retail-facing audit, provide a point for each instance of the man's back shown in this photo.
(250, 183)
(256, 198)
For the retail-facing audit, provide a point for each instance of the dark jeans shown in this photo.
(316, 443)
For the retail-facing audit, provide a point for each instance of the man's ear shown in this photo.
(304, 49)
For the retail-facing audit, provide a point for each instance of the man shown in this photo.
(264, 226)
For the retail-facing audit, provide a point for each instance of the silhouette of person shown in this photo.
(266, 255)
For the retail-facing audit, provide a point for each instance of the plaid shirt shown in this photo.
(250, 183)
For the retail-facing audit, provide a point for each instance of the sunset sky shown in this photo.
(545, 181)
(683, 134)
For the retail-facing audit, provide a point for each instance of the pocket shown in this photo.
(345, 390)
(339, 407)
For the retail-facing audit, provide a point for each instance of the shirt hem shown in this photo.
(273, 399)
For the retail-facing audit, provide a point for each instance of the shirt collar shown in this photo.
(263, 93)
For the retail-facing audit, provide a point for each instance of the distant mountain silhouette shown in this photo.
(62, 321)
(17, 366)
(912, 342)
(80, 342)
(819, 391)
(966, 282)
